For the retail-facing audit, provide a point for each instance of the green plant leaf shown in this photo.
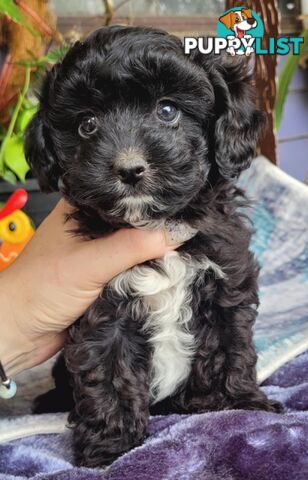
(14, 157)
(24, 118)
(51, 57)
(9, 177)
(285, 79)
(56, 54)
(9, 8)
(14, 116)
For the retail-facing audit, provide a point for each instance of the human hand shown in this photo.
(56, 278)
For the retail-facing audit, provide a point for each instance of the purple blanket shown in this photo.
(229, 445)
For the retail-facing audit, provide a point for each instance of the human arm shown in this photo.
(55, 279)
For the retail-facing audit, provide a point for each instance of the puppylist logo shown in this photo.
(240, 31)
(241, 27)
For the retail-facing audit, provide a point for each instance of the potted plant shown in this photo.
(23, 35)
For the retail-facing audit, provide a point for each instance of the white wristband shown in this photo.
(7, 385)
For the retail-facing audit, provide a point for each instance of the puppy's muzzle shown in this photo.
(130, 166)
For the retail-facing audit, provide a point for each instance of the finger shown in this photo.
(107, 257)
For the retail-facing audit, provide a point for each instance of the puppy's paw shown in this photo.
(258, 404)
(98, 445)
(105, 452)
(273, 406)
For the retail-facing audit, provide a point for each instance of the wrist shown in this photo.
(16, 349)
(23, 344)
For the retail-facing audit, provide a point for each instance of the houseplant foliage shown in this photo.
(286, 76)
(23, 34)
(13, 164)
(11, 10)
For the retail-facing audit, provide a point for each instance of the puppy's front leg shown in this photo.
(108, 360)
(224, 370)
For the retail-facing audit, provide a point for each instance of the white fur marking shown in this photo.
(133, 209)
(168, 298)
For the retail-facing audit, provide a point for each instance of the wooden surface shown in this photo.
(180, 25)
(265, 70)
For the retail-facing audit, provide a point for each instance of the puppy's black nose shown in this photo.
(251, 21)
(132, 174)
(130, 165)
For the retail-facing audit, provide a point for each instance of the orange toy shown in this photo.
(16, 228)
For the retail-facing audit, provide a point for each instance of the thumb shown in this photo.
(119, 251)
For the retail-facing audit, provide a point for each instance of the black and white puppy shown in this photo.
(139, 134)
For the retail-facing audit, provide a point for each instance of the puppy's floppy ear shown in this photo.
(39, 147)
(40, 154)
(238, 122)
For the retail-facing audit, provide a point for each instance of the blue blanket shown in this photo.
(229, 445)
(280, 219)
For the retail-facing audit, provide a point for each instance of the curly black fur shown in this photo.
(118, 75)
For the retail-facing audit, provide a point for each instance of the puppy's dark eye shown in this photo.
(87, 127)
(167, 112)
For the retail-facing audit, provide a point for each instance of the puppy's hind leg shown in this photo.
(60, 398)
(109, 362)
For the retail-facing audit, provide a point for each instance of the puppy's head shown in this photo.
(132, 127)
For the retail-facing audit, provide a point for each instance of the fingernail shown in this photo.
(177, 232)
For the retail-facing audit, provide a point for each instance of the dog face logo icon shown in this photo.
(240, 21)
(240, 26)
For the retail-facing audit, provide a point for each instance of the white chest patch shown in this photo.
(167, 295)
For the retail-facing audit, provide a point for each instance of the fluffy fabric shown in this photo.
(280, 244)
(233, 445)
